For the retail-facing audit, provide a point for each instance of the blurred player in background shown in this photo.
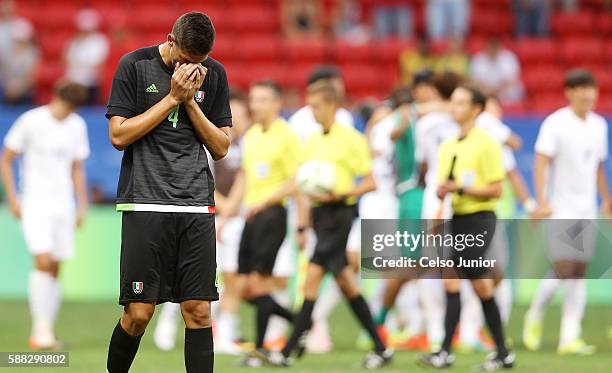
(470, 169)
(270, 157)
(52, 141)
(333, 216)
(571, 149)
(168, 104)
(305, 125)
(226, 331)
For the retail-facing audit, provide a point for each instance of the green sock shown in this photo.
(382, 316)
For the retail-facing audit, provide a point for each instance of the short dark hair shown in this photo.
(329, 92)
(422, 76)
(194, 33)
(399, 96)
(446, 82)
(579, 78)
(323, 72)
(237, 94)
(73, 93)
(478, 98)
(269, 83)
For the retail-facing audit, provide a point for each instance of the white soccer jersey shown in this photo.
(500, 132)
(305, 125)
(431, 130)
(383, 154)
(576, 147)
(49, 147)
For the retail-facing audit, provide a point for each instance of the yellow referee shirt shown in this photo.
(478, 164)
(347, 149)
(270, 158)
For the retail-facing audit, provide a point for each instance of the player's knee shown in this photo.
(138, 317)
(45, 263)
(198, 313)
(484, 289)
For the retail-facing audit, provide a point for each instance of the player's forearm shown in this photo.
(514, 142)
(367, 184)
(216, 140)
(125, 133)
(234, 199)
(539, 178)
(289, 188)
(8, 178)
(602, 184)
(493, 190)
(80, 186)
(519, 187)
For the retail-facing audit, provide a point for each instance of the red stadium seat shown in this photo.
(153, 19)
(536, 50)
(491, 21)
(581, 50)
(306, 50)
(572, 23)
(607, 50)
(276, 72)
(603, 23)
(365, 77)
(604, 79)
(250, 49)
(388, 51)
(547, 103)
(543, 79)
(253, 18)
(345, 52)
(53, 44)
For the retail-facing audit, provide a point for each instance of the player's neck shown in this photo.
(582, 114)
(267, 123)
(164, 53)
(58, 110)
(466, 128)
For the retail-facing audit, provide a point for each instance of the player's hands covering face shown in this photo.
(185, 81)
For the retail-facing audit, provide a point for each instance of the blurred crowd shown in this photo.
(438, 47)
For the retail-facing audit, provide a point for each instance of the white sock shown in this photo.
(472, 319)
(433, 300)
(327, 302)
(44, 299)
(572, 311)
(227, 325)
(546, 291)
(409, 308)
(169, 313)
(277, 326)
(504, 298)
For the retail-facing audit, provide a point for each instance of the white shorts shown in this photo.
(498, 249)
(229, 245)
(373, 205)
(48, 229)
(353, 245)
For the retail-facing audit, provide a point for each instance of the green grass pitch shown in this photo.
(86, 328)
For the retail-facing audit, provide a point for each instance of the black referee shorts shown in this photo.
(262, 237)
(479, 223)
(167, 257)
(332, 224)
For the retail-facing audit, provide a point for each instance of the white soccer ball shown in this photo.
(315, 178)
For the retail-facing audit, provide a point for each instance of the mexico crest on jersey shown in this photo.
(137, 287)
(199, 96)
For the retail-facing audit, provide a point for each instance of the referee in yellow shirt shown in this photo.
(271, 155)
(332, 218)
(470, 169)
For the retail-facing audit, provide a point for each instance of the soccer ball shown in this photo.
(315, 177)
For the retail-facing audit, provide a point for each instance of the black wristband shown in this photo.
(460, 191)
(301, 229)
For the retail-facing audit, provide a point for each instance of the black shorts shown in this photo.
(262, 237)
(167, 257)
(479, 223)
(332, 224)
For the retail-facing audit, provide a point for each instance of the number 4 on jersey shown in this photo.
(173, 116)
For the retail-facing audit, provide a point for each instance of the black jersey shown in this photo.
(167, 166)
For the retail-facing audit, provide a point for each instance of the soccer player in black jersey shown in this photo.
(167, 104)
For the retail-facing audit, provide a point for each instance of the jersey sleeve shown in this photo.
(492, 163)
(220, 114)
(16, 138)
(122, 101)
(546, 142)
(444, 161)
(361, 162)
(82, 149)
(604, 139)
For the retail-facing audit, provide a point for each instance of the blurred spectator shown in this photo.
(347, 22)
(412, 60)
(454, 58)
(7, 19)
(447, 18)
(497, 70)
(18, 67)
(532, 17)
(568, 5)
(87, 53)
(392, 19)
(302, 18)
